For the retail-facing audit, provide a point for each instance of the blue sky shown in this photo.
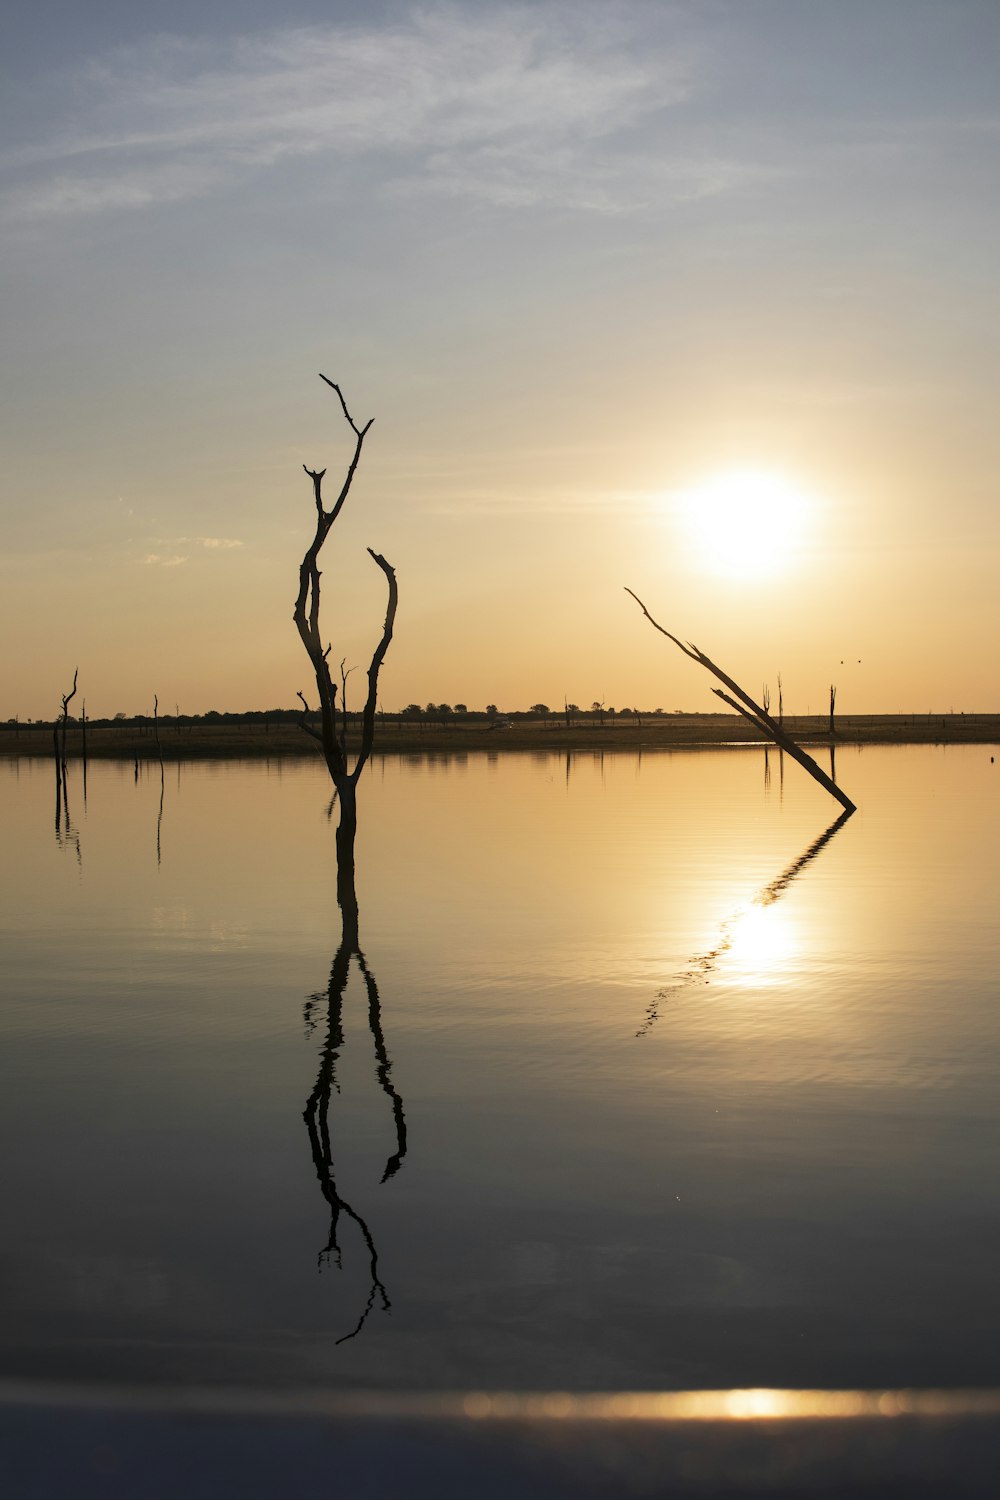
(576, 260)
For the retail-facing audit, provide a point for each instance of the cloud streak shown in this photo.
(505, 105)
(173, 559)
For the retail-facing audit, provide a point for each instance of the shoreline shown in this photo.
(668, 732)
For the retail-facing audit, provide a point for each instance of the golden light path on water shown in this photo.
(743, 1404)
(763, 944)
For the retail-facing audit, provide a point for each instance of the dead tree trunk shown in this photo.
(833, 704)
(332, 735)
(66, 700)
(752, 711)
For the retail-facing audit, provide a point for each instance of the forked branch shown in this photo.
(307, 620)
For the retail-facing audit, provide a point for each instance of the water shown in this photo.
(691, 1097)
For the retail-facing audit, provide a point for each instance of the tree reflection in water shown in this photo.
(317, 1111)
(703, 964)
(67, 833)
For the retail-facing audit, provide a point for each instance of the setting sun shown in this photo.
(744, 524)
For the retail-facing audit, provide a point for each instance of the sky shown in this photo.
(696, 298)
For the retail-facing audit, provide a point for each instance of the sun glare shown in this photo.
(744, 524)
(763, 945)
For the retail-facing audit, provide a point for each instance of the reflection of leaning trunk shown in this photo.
(705, 963)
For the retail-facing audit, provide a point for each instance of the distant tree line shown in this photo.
(419, 713)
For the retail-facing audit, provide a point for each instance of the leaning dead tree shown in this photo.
(753, 712)
(332, 730)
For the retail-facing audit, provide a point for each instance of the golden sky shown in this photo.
(606, 276)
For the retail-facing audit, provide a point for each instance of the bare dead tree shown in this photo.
(66, 834)
(767, 699)
(333, 738)
(156, 729)
(781, 704)
(753, 712)
(833, 703)
(67, 698)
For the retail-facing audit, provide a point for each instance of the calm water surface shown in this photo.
(672, 1091)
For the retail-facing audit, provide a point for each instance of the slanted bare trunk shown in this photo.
(758, 716)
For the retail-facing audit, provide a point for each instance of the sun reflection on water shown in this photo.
(763, 943)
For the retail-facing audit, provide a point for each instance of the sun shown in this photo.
(745, 524)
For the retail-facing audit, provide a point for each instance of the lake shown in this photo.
(651, 1076)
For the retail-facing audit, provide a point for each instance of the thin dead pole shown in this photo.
(752, 711)
(67, 699)
(159, 751)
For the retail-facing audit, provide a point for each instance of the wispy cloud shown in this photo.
(174, 559)
(507, 104)
(213, 543)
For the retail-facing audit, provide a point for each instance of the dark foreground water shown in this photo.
(666, 1089)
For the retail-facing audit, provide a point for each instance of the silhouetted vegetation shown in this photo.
(274, 732)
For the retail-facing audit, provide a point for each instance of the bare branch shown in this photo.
(751, 718)
(316, 475)
(371, 703)
(688, 650)
(343, 700)
(307, 604)
(343, 406)
(67, 698)
(757, 715)
(304, 721)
